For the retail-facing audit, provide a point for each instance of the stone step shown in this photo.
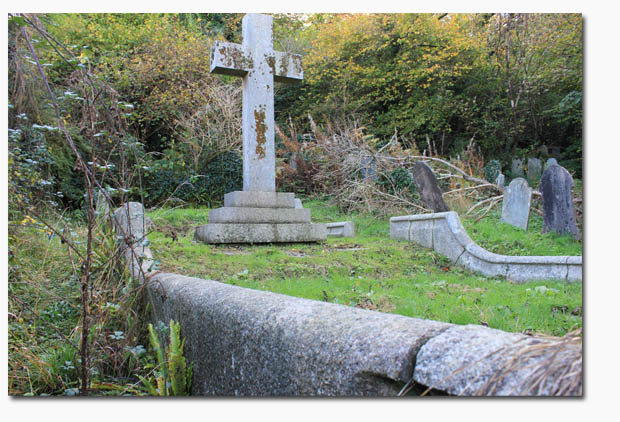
(259, 215)
(259, 199)
(260, 233)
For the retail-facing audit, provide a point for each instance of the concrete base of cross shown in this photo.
(260, 217)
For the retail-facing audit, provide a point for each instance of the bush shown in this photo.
(492, 170)
(168, 181)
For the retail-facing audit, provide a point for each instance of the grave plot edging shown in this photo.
(448, 237)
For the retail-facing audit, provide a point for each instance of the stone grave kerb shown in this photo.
(259, 65)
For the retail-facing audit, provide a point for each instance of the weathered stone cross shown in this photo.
(259, 65)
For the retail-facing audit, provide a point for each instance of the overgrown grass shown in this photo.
(372, 271)
(44, 320)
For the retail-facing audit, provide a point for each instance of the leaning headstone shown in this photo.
(550, 162)
(534, 171)
(517, 168)
(516, 203)
(558, 211)
(426, 183)
(258, 214)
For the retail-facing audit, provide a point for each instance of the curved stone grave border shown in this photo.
(244, 342)
(444, 233)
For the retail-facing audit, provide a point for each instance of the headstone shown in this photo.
(369, 168)
(550, 162)
(102, 207)
(534, 170)
(258, 214)
(426, 183)
(500, 180)
(558, 211)
(517, 168)
(516, 203)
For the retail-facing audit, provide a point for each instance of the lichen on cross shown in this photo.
(259, 65)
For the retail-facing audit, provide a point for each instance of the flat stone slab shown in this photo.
(475, 360)
(341, 229)
(260, 233)
(229, 215)
(259, 199)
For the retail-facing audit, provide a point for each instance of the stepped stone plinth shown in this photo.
(260, 217)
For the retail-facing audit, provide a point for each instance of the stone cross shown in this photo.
(259, 65)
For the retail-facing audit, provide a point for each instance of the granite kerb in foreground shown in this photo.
(444, 233)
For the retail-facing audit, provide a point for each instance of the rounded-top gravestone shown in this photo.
(516, 203)
(426, 183)
(558, 210)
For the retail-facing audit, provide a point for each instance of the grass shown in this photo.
(374, 272)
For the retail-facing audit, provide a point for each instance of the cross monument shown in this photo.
(259, 65)
(258, 214)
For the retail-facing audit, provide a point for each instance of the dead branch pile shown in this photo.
(360, 173)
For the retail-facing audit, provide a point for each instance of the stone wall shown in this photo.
(444, 233)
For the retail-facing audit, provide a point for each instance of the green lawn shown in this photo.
(372, 271)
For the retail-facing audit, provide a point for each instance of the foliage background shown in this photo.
(510, 83)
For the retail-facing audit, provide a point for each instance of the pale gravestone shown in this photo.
(516, 203)
(427, 185)
(500, 180)
(258, 214)
(517, 168)
(558, 211)
(534, 171)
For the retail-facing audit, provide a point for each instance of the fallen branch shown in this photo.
(469, 188)
(484, 201)
(493, 203)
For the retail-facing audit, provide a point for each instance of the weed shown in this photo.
(172, 376)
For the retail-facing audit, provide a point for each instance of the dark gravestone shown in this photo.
(426, 183)
(369, 168)
(558, 212)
